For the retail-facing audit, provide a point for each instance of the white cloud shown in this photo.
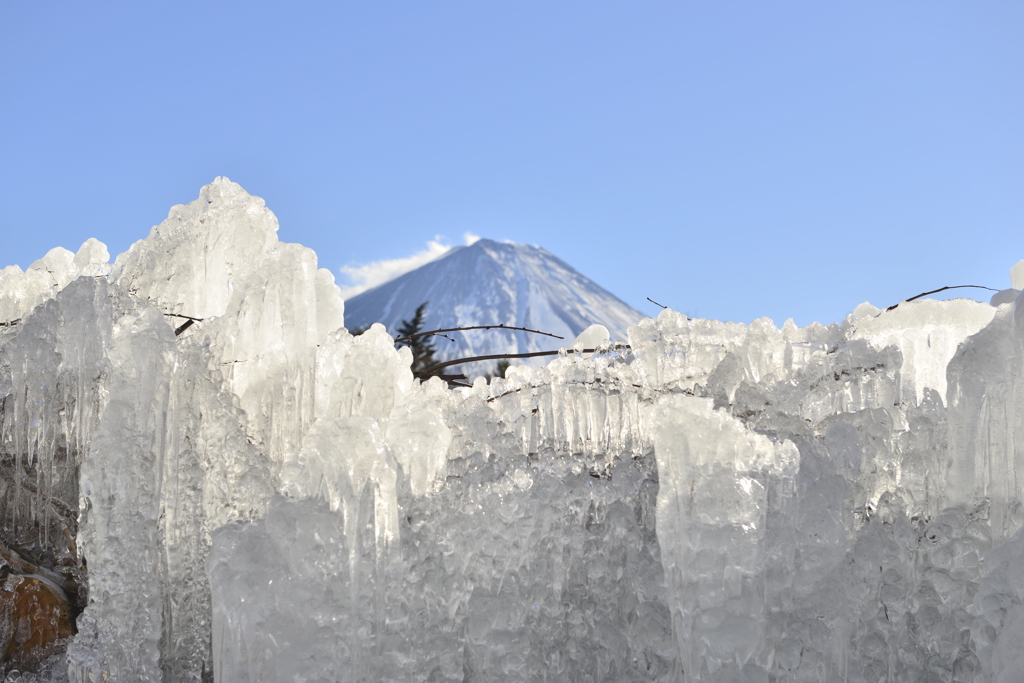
(470, 238)
(370, 275)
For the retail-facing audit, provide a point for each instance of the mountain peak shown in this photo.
(495, 283)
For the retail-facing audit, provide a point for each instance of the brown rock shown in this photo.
(35, 621)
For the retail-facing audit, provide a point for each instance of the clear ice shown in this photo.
(260, 496)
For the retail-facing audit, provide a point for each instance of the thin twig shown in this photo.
(10, 323)
(475, 327)
(655, 302)
(499, 356)
(419, 374)
(189, 322)
(942, 289)
(538, 386)
(452, 380)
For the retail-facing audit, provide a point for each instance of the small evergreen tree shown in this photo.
(422, 347)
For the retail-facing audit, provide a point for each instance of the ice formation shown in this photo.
(260, 496)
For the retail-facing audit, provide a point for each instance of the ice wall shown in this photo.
(260, 496)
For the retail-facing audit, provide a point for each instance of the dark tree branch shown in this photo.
(446, 378)
(942, 289)
(452, 380)
(538, 386)
(655, 302)
(455, 380)
(475, 327)
(427, 372)
(189, 322)
(10, 323)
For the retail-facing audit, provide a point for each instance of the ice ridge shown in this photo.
(266, 497)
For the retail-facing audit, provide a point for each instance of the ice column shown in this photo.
(986, 422)
(121, 478)
(321, 605)
(50, 401)
(714, 478)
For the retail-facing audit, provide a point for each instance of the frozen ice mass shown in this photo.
(231, 487)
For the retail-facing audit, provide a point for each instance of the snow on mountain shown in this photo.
(495, 283)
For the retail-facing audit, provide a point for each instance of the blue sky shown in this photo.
(731, 160)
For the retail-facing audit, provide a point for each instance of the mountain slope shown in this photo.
(491, 283)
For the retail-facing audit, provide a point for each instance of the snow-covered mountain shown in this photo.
(492, 283)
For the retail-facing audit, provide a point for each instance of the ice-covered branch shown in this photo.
(941, 289)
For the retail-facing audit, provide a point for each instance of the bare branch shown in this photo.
(942, 289)
(447, 378)
(475, 327)
(452, 380)
(655, 302)
(10, 323)
(537, 386)
(427, 372)
(189, 322)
